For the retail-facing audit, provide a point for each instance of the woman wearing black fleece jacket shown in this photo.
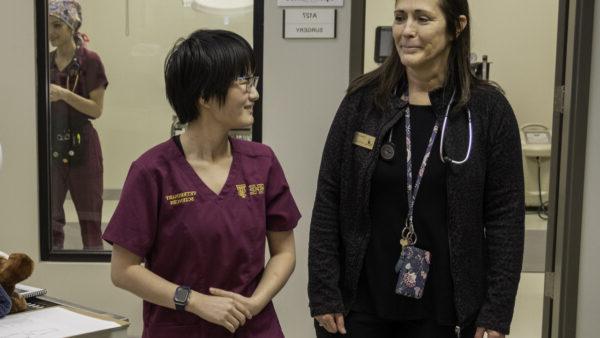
(468, 217)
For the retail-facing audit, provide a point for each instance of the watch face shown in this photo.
(181, 294)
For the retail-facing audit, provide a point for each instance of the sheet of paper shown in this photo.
(50, 323)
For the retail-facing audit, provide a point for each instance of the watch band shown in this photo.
(182, 294)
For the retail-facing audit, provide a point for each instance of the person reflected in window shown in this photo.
(77, 85)
(418, 223)
(199, 208)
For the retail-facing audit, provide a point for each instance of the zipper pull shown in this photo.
(457, 331)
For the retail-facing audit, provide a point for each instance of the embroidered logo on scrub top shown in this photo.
(241, 189)
(181, 198)
(255, 189)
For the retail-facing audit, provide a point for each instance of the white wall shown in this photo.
(588, 308)
(304, 82)
(518, 36)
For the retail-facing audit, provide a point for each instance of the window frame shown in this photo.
(43, 132)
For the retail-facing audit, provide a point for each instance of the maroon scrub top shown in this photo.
(92, 76)
(191, 236)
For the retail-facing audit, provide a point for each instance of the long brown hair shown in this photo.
(392, 72)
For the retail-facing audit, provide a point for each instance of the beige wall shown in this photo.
(518, 36)
(377, 13)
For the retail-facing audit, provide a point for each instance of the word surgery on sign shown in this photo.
(309, 23)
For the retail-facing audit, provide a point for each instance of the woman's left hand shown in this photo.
(57, 93)
(249, 302)
(490, 333)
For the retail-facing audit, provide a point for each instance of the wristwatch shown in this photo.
(182, 293)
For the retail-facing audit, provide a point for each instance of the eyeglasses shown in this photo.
(248, 82)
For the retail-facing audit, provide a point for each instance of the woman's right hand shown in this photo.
(333, 322)
(222, 311)
(56, 92)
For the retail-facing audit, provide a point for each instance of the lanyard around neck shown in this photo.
(409, 237)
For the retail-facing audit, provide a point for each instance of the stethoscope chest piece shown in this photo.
(387, 151)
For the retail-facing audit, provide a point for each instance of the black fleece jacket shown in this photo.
(485, 214)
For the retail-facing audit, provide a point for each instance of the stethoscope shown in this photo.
(72, 70)
(388, 148)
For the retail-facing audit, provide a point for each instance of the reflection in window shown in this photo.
(76, 92)
(133, 37)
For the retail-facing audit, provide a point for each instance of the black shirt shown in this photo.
(388, 210)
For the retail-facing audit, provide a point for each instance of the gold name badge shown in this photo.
(364, 140)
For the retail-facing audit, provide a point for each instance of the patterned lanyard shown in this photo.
(409, 236)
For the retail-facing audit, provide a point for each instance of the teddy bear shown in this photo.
(14, 269)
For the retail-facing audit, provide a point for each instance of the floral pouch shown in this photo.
(412, 268)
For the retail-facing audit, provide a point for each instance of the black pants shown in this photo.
(363, 325)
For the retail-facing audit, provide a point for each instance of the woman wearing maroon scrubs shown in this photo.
(197, 208)
(77, 85)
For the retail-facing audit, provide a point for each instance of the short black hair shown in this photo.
(204, 65)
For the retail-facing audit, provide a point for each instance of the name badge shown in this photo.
(364, 140)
